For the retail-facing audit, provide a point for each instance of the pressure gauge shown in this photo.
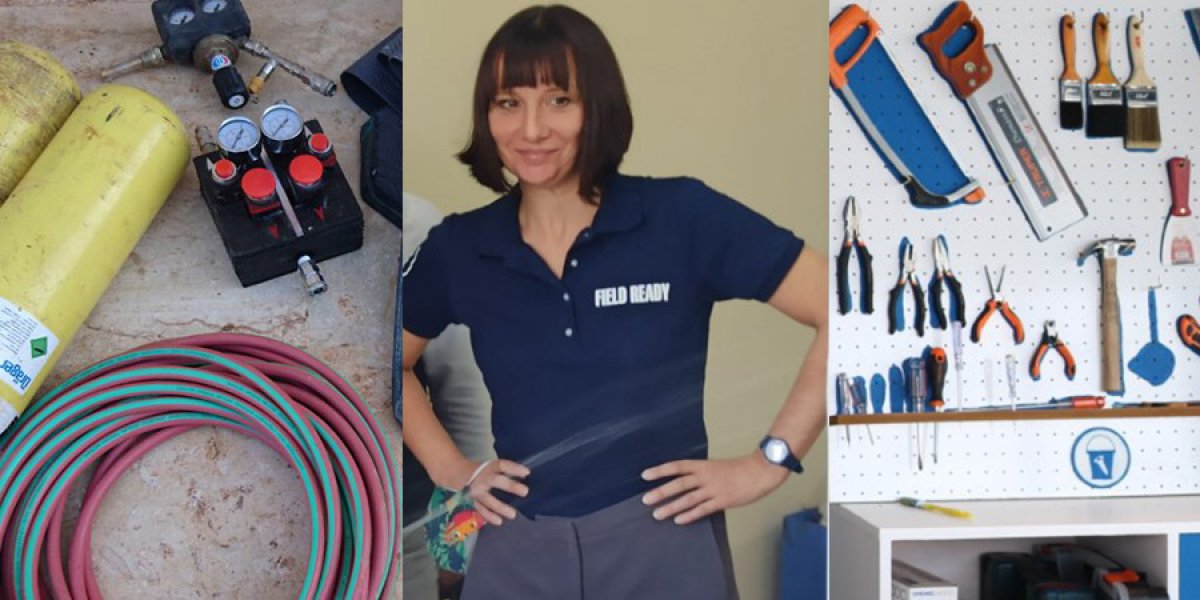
(238, 138)
(282, 127)
(213, 6)
(181, 16)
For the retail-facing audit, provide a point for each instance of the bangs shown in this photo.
(532, 55)
(530, 67)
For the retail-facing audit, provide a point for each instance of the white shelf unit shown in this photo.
(1142, 533)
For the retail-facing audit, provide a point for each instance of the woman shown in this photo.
(588, 295)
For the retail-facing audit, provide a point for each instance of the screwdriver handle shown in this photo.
(937, 378)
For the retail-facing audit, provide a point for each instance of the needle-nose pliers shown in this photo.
(908, 276)
(854, 243)
(997, 302)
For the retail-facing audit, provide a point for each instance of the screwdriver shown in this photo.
(956, 336)
(1068, 402)
(937, 381)
(916, 393)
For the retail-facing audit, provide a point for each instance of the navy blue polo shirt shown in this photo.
(598, 375)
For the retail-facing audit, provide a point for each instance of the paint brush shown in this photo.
(1106, 107)
(1070, 84)
(1141, 96)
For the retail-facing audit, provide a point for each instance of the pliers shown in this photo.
(852, 242)
(908, 276)
(997, 302)
(1050, 340)
(943, 276)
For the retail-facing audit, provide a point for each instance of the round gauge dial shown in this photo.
(237, 134)
(180, 16)
(281, 122)
(213, 6)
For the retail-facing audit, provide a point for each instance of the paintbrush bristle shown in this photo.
(1142, 130)
(1106, 120)
(1070, 115)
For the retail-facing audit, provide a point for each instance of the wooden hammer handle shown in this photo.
(1110, 323)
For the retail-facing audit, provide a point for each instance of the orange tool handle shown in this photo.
(1083, 402)
(1100, 33)
(840, 30)
(1013, 320)
(1179, 173)
(1066, 30)
(1068, 359)
(981, 321)
(968, 70)
(1035, 366)
(937, 376)
(1189, 332)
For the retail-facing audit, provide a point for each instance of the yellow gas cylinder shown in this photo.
(72, 221)
(36, 95)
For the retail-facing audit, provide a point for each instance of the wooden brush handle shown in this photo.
(1066, 31)
(1137, 55)
(1110, 326)
(1100, 34)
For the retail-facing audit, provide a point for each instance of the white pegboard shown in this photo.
(1126, 194)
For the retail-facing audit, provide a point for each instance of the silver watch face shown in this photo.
(776, 451)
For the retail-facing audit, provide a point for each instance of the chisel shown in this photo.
(1142, 130)
(1070, 84)
(1106, 107)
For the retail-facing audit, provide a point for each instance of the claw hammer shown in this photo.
(1110, 307)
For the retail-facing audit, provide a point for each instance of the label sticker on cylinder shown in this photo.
(25, 346)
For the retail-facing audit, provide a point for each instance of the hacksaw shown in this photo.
(981, 79)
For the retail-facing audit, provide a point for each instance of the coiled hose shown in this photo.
(117, 410)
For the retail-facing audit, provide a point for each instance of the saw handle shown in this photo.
(1066, 29)
(1179, 173)
(840, 30)
(967, 69)
(1100, 32)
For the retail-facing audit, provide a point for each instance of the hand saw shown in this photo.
(981, 79)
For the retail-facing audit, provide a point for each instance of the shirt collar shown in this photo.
(620, 210)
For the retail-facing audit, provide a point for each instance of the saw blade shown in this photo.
(1031, 168)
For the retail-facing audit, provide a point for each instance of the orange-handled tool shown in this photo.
(840, 30)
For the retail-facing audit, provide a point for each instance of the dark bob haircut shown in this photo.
(538, 45)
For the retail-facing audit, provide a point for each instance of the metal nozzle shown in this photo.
(204, 139)
(314, 282)
(260, 79)
(319, 83)
(150, 58)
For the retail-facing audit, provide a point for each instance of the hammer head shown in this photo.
(1108, 248)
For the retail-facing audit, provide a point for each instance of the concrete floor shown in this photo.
(211, 514)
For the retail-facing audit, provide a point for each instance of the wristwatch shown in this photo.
(779, 453)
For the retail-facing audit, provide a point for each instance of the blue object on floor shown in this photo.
(802, 563)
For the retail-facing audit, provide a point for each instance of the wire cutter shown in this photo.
(944, 277)
(1050, 340)
(852, 242)
(997, 302)
(908, 276)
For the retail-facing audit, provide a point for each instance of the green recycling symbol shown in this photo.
(38, 347)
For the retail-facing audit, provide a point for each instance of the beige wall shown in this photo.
(732, 92)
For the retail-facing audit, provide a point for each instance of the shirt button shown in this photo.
(587, 234)
(566, 297)
(569, 332)
(574, 262)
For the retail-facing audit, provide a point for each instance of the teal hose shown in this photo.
(114, 412)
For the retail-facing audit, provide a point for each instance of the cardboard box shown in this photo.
(911, 583)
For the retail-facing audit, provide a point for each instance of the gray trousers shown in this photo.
(617, 553)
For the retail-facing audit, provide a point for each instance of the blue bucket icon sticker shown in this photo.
(1101, 450)
(1100, 457)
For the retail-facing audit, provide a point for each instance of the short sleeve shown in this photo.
(739, 253)
(427, 295)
